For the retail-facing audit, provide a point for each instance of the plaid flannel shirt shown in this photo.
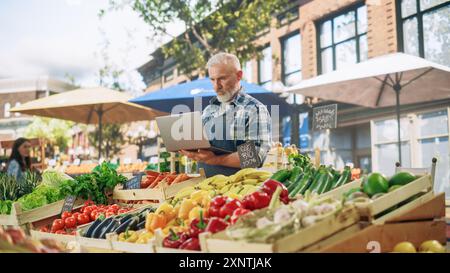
(247, 119)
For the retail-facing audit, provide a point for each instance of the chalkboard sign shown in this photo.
(68, 203)
(133, 183)
(325, 117)
(248, 155)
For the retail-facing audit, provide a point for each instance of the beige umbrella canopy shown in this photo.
(90, 106)
(388, 80)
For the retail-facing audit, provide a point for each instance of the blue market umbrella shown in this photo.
(183, 94)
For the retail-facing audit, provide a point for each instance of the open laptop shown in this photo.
(185, 132)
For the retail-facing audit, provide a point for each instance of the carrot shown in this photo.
(180, 178)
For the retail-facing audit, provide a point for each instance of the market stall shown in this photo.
(300, 208)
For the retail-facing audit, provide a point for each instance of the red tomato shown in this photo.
(83, 219)
(114, 207)
(88, 209)
(44, 229)
(88, 215)
(120, 211)
(65, 214)
(70, 222)
(75, 215)
(109, 213)
(93, 215)
(58, 224)
(61, 231)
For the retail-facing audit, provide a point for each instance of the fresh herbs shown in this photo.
(9, 188)
(94, 186)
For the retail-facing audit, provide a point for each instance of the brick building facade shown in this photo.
(325, 35)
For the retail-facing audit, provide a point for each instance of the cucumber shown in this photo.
(299, 185)
(306, 186)
(344, 178)
(281, 175)
(295, 172)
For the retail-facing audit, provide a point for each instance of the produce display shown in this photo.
(303, 177)
(277, 221)
(80, 169)
(376, 185)
(95, 185)
(235, 186)
(31, 192)
(431, 246)
(70, 221)
(153, 179)
(133, 167)
(14, 240)
(124, 224)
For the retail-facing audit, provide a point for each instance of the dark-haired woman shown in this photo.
(19, 161)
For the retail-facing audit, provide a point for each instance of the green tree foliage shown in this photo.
(212, 26)
(56, 131)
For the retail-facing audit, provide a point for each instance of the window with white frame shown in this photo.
(6, 112)
(292, 59)
(247, 71)
(17, 114)
(423, 136)
(265, 68)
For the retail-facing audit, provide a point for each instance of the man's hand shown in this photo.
(204, 156)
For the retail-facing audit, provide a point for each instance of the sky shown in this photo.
(66, 37)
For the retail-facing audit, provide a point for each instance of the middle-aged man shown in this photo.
(231, 119)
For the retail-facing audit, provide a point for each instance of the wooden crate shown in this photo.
(339, 192)
(130, 247)
(161, 193)
(383, 238)
(305, 237)
(91, 243)
(62, 238)
(18, 217)
(372, 210)
(422, 212)
(158, 246)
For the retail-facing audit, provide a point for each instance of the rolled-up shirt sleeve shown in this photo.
(260, 130)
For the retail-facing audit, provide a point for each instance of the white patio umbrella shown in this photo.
(388, 80)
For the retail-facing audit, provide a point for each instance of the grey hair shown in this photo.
(224, 58)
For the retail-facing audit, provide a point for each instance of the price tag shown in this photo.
(248, 155)
(68, 203)
(325, 117)
(134, 183)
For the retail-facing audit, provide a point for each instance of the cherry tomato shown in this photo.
(58, 224)
(65, 214)
(61, 231)
(70, 222)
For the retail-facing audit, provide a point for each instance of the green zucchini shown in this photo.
(281, 175)
(345, 177)
(301, 184)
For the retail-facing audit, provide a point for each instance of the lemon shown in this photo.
(432, 246)
(405, 247)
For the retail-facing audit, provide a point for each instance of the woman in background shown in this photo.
(19, 161)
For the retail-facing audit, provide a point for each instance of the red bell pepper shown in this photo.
(216, 224)
(197, 226)
(238, 213)
(191, 244)
(216, 204)
(230, 207)
(259, 200)
(175, 240)
(271, 185)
